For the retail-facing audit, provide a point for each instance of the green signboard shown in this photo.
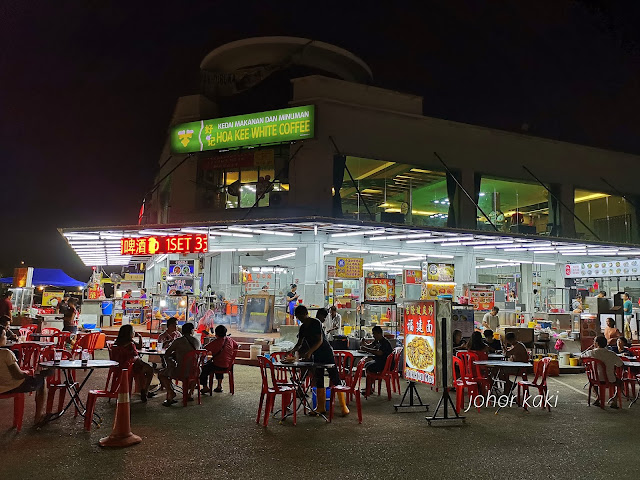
(261, 128)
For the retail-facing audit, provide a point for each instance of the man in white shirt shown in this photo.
(610, 360)
(333, 323)
(491, 320)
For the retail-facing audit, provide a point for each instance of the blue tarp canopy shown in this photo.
(50, 277)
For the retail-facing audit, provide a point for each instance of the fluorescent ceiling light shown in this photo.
(409, 254)
(81, 236)
(194, 230)
(228, 234)
(480, 247)
(544, 263)
(222, 249)
(439, 256)
(281, 248)
(545, 251)
(360, 232)
(382, 252)
(259, 231)
(156, 232)
(350, 250)
(254, 249)
(281, 257)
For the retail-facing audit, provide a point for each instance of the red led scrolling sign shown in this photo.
(194, 243)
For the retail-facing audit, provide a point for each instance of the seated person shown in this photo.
(223, 349)
(380, 347)
(125, 353)
(611, 333)
(458, 341)
(477, 345)
(494, 344)
(170, 334)
(174, 356)
(622, 347)
(515, 351)
(610, 360)
(14, 380)
(5, 321)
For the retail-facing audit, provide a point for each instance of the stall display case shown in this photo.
(383, 314)
(345, 296)
(22, 301)
(257, 313)
(166, 306)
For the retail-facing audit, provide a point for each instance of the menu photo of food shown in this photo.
(420, 342)
(380, 290)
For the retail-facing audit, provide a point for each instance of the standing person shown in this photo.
(312, 344)
(124, 352)
(126, 295)
(292, 298)
(14, 380)
(69, 319)
(63, 306)
(223, 349)
(333, 323)
(6, 307)
(627, 308)
(611, 333)
(143, 293)
(491, 319)
(174, 356)
(170, 334)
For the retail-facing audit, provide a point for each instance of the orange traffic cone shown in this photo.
(121, 435)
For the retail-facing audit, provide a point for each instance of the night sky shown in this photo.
(87, 88)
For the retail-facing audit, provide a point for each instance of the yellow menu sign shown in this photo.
(347, 267)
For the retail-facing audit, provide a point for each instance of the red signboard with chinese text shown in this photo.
(420, 342)
(413, 277)
(192, 243)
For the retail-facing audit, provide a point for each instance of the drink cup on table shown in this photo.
(153, 344)
(57, 356)
(86, 356)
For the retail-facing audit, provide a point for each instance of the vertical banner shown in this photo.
(420, 342)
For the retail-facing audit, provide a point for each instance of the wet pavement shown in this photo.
(220, 439)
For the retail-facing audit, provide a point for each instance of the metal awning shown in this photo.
(101, 245)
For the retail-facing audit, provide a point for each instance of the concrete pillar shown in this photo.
(526, 285)
(567, 220)
(311, 178)
(465, 270)
(467, 211)
(309, 271)
(224, 268)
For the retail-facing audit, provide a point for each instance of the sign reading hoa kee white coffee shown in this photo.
(275, 126)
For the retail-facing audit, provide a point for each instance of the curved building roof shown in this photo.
(257, 52)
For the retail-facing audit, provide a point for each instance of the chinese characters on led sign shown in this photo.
(195, 243)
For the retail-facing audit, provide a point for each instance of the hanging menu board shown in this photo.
(380, 290)
(462, 319)
(431, 291)
(347, 267)
(439, 272)
(480, 296)
(181, 268)
(412, 277)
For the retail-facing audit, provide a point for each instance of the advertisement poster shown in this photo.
(462, 319)
(48, 296)
(440, 272)
(134, 277)
(420, 342)
(430, 291)
(185, 285)
(481, 297)
(331, 271)
(380, 290)
(374, 274)
(347, 267)
(413, 277)
(181, 268)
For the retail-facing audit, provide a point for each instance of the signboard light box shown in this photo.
(155, 245)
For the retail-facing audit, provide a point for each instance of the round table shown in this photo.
(502, 364)
(72, 386)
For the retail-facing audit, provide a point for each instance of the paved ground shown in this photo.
(220, 439)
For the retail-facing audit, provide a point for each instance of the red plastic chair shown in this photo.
(635, 351)
(33, 327)
(228, 371)
(47, 334)
(61, 339)
(344, 364)
(539, 382)
(350, 390)
(18, 408)
(385, 375)
(461, 382)
(473, 372)
(29, 356)
(395, 372)
(271, 388)
(628, 377)
(56, 382)
(86, 341)
(597, 376)
(189, 373)
(110, 391)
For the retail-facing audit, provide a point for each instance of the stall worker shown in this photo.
(126, 295)
(627, 308)
(292, 298)
(611, 333)
(610, 360)
(69, 319)
(6, 307)
(173, 356)
(14, 380)
(602, 294)
(223, 350)
(125, 353)
(332, 323)
(143, 293)
(312, 344)
(491, 320)
(493, 343)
